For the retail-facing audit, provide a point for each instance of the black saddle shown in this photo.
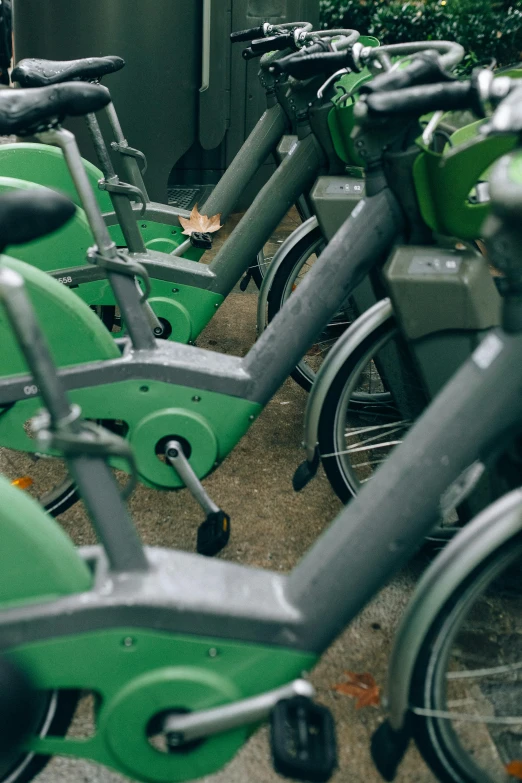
(30, 214)
(42, 73)
(24, 111)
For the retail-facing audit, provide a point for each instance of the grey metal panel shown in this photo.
(214, 102)
(156, 94)
(247, 96)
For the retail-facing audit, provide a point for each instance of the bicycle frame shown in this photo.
(421, 280)
(200, 289)
(207, 398)
(202, 611)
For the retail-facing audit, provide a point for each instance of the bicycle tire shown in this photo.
(436, 737)
(296, 258)
(28, 765)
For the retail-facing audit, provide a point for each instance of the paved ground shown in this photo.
(272, 528)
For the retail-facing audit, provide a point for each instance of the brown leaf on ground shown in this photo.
(514, 768)
(362, 688)
(201, 223)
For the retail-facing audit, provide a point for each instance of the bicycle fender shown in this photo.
(290, 242)
(370, 320)
(44, 164)
(38, 562)
(478, 539)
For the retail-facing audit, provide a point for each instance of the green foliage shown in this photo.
(485, 28)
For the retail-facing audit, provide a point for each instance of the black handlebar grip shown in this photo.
(421, 99)
(248, 54)
(272, 43)
(247, 35)
(425, 69)
(303, 67)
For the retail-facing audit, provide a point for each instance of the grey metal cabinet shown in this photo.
(236, 95)
(186, 97)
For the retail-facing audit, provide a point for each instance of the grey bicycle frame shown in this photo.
(369, 540)
(250, 157)
(295, 174)
(261, 372)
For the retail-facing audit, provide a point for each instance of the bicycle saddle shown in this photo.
(41, 73)
(26, 110)
(30, 214)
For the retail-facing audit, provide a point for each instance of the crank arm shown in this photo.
(180, 729)
(214, 532)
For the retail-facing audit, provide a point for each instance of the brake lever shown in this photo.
(322, 89)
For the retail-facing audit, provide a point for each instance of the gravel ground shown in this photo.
(271, 527)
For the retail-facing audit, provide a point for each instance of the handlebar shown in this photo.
(425, 68)
(450, 53)
(247, 35)
(421, 99)
(304, 67)
(436, 57)
(272, 43)
(267, 29)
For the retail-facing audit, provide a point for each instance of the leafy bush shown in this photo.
(485, 28)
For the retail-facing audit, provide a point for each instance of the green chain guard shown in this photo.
(45, 165)
(212, 423)
(138, 674)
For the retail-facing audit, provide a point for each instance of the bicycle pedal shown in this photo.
(213, 534)
(303, 740)
(201, 240)
(305, 473)
(245, 281)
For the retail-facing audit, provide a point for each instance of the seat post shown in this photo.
(66, 141)
(124, 287)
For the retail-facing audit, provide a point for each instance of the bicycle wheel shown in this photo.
(466, 693)
(362, 419)
(298, 261)
(44, 478)
(106, 314)
(52, 719)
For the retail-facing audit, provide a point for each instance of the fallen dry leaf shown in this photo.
(514, 768)
(201, 223)
(362, 688)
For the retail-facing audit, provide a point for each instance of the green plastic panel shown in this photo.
(160, 237)
(37, 560)
(138, 675)
(64, 248)
(75, 334)
(45, 165)
(187, 309)
(444, 181)
(212, 423)
(340, 119)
